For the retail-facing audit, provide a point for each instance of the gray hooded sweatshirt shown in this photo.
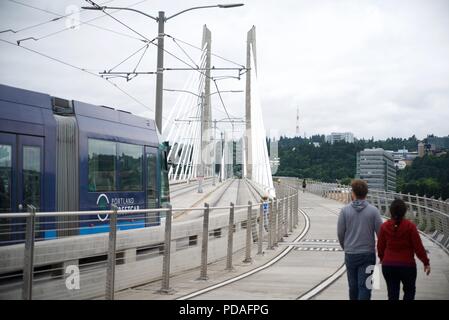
(358, 223)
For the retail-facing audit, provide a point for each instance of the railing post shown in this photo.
(28, 263)
(248, 258)
(443, 221)
(386, 203)
(296, 210)
(165, 289)
(410, 204)
(420, 213)
(203, 273)
(276, 223)
(110, 272)
(428, 216)
(280, 215)
(290, 213)
(230, 238)
(261, 222)
(271, 225)
(286, 208)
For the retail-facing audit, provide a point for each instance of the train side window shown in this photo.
(102, 165)
(32, 175)
(5, 178)
(151, 180)
(130, 157)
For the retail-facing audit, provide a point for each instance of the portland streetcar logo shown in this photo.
(102, 204)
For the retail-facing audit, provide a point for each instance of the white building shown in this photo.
(340, 136)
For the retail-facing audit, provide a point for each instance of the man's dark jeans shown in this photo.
(394, 276)
(359, 267)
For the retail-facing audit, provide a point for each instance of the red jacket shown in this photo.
(398, 247)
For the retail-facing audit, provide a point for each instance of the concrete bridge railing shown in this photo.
(41, 259)
(430, 215)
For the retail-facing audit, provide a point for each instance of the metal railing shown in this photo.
(45, 257)
(430, 215)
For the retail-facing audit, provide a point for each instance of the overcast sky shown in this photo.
(374, 68)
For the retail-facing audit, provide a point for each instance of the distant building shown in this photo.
(340, 136)
(403, 157)
(376, 167)
(433, 145)
(438, 143)
(421, 149)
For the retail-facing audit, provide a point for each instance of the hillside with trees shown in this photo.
(300, 157)
(428, 175)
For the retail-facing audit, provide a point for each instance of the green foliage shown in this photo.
(299, 157)
(428, 175)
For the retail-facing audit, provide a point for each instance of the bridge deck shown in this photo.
(315, 258)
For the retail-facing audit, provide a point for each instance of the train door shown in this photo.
(21, 179)
(30, 172)
(151, 184)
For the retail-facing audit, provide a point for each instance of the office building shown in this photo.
(340, 136)
(376, 167)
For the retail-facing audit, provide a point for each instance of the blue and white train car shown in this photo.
(66, 155)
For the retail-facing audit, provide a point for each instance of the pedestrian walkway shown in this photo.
(313, 259)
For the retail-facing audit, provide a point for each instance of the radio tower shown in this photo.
(297, 122)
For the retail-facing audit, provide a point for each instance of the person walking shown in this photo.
(358, 223)
(304, 185)
(398, 242)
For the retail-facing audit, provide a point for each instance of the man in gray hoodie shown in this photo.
(358, 223)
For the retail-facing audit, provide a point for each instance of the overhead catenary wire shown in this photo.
(58, 17)
(198, 48)
(196, 67)
(80, 69)
(193, 67)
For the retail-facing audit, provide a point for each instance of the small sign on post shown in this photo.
(265, 215)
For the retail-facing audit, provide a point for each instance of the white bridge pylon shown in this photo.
(194, 151)
(256, 161)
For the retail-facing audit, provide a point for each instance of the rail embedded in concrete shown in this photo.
(430, 215)
(42, 257)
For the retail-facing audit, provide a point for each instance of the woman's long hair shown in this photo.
(398, 209)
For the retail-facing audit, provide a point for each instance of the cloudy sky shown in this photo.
(375, 68)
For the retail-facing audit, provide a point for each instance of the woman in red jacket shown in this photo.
(398, 241)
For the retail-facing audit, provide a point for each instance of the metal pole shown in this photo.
(160, 70)
(165, 289)
(260, 240)
(248, 234)
(203, 274)
(230, 238)
(28, 261)
(215, 152)
(220, 177)
(110, 272)
(201, 171)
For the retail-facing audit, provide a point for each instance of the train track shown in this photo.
(309, 294)
(215, 203)
(256, 196)
(256, 270)
(187, 188)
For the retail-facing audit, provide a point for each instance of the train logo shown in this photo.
(103, 204)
